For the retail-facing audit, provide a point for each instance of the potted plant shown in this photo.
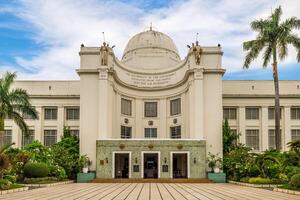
(214, 162)
(86, 162)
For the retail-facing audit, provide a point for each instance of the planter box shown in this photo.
(85, 177)
(217, 177)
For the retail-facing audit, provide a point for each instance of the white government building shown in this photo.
(155, 115)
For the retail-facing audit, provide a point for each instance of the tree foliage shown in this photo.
(272, 40)
(14, 103)
(230, 138)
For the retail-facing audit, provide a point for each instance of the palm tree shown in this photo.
(14, 103)
(261, 161)
(273, 39)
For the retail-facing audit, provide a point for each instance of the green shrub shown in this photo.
(295, 181)
(283, 178)
(10, 178)
(58, 172)
(39, 180)
(291, 171)
(39, 153)
(36, 170)
(4, 184)
(259, 180)
(245, 179)
(66, 155)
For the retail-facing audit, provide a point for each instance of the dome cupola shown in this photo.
(150, 50)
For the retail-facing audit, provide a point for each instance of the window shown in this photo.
(51, 113)
(125, 132)
(272, 144)
(50, 137)
(150, 109)
(6, 138)
(252, 139)
(75, 133)
(295, 113)
(229, 113)
(72, 113)
(235, 141)
(252, 113)
(150, 132)
(126, 107)
(7, 117)
(175, 132)
(295, 134)
(175, 107)
(26, 116)
(27, 139)
(271, 113)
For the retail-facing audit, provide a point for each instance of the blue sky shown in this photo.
(40, 39)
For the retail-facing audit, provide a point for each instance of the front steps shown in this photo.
(140, 180)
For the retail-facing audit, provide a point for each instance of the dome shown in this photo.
(150, 50)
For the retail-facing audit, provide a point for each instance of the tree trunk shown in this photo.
(1, 126)
(277, 103)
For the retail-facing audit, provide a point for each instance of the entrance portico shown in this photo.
(153, 159)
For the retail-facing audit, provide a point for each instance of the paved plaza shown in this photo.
(147, 191)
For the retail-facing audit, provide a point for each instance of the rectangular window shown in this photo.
(27, 139)
(175, 132)
(252, 113)
(295, 113)
(125, 132)
(229, 113)
(50, 113)
(6, 138)
(26, 116)
(234, 131)
(272, 144)
(50, 137)
(150, 109)
(125, 107)
(75, 133)
(295, 134)
(150, 132)
(271, 113)
(72, 114)
(175, 106)
(252, 139)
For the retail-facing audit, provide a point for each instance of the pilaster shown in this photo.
(264, 132)
(241, 123)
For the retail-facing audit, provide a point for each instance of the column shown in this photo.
(38, 127)
(198, 110)
(103, 104)
(241, 124)
(286, 131)
(16, 135)
(163, 124)
(264, 135)
(139, 118)
(60, 122)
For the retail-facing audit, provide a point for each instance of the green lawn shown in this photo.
(286, 186)
(15, 186)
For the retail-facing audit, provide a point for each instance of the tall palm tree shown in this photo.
(14, 103)
(273, 39)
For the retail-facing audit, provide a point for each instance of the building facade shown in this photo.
(155, 115)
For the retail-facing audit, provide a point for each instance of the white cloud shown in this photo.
(61, 26)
